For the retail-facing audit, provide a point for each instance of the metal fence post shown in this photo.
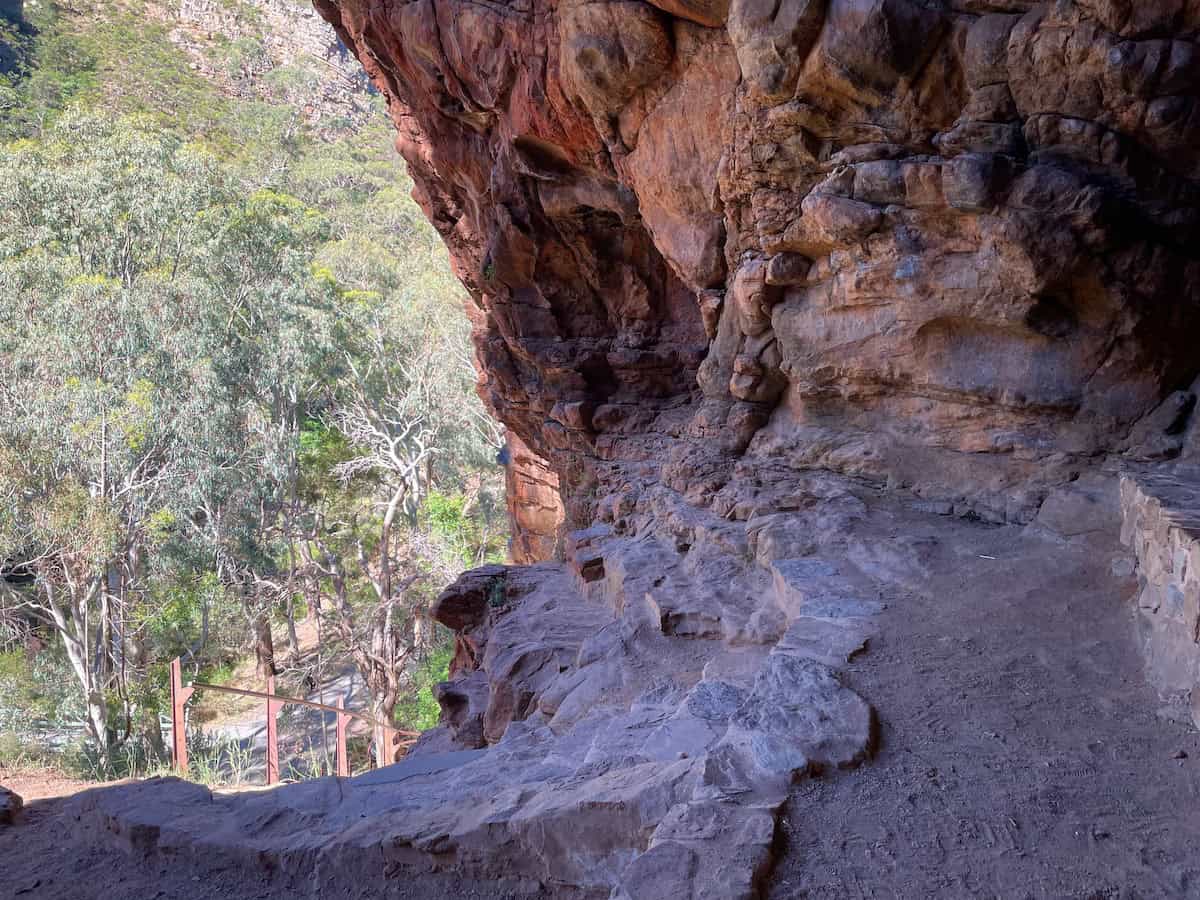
(179, 697)
(273, 706)
(385, 734)
(343, 760)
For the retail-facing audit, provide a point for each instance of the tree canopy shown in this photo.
(236, 382)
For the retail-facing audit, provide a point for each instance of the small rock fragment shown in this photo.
(788, 268)
(10, 806)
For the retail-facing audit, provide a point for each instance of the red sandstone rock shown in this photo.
(981, 218)
(535, 510)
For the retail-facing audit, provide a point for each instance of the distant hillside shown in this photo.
(15, 38)
(238, 75)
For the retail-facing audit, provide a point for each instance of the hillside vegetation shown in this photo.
(237, 380)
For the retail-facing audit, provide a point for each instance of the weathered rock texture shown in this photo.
(946, 245)
(625, 724)
(717, 252)
(535, 510)
(10, 806)
(1161, 523)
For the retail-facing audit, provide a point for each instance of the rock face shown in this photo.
(535, 510)
(10, 806)
(947, 245)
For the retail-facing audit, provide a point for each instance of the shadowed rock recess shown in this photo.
(744, 276)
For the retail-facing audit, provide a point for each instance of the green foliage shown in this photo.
(163, 321)
(36, 693)
(17, 690)
(218, 674)
(496, 596)
(179, 609)
(196, 283)
(446, 514)
(322, 447)
(245, 54)
(465, 527)
(285, 82)
(420, 710)
(48, 67)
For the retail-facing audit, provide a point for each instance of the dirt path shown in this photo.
(40, 784)
(1021, 752)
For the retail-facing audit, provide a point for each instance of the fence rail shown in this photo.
(181, 693)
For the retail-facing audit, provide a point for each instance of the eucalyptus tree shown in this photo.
(407, 416)
(160, 338)
(101, 376)
(276, 363)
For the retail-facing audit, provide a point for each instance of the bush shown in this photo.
(37, 693)
(420, 711)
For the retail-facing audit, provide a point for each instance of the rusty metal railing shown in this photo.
(181, 693)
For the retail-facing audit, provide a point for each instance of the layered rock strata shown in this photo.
(943, 245)
(535, 510)
(624, 724)
(1161, 524)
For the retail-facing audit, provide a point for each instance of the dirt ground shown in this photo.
(39, 860)
(1021, 756)
(40, 784)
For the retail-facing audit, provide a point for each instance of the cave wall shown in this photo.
(948, 246)
(534, 502)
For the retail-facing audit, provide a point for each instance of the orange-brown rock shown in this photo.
(945, 245)
(535, 510)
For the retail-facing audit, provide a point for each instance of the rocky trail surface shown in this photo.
(1021, 755)
(1015, 749)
